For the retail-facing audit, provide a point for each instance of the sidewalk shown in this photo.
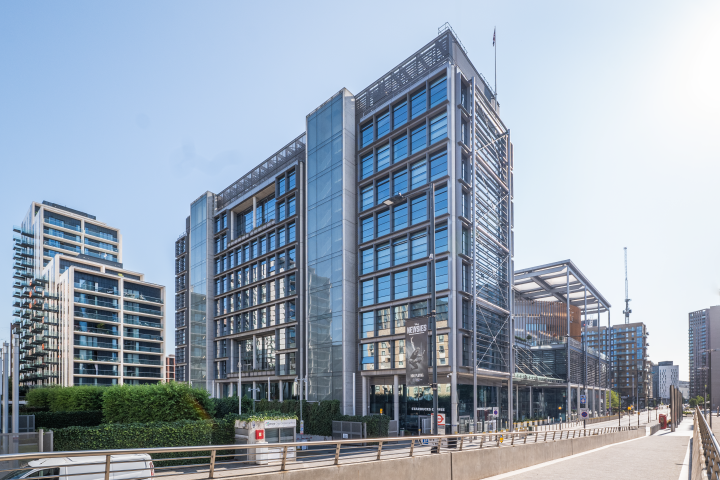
(659, 457)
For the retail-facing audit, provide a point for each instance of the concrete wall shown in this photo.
(455, 465)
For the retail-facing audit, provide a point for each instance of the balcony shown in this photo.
(62, 246)
(143, 323)
(140, 348)
(61, 224)
(97, 316)
(90, 344)
(96, 288)
(144, 336)
(139, 309)
(100, 331)
(98, 358)
(130, 373)
(104, 236)
(103, 373)
(140, 361)
(140, 296)
(97, 302)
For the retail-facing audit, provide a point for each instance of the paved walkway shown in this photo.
(663, 456)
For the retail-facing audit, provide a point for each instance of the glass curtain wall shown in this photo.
(325, 257)
(198, 292)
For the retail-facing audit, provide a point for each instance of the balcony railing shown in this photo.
(88, 371)
(85, 343)
(102, 331)
(140, 296)
(143, 349)
(97, 316)
(130, 373)
(140, 361)
(144, 323)
(60, 223)
(97, 301)
(96, 288)
(143, 336)
(134, 308)
(104, 236)
(98, 358)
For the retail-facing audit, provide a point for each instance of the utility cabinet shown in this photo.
(264, 433)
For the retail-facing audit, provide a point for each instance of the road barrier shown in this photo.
(411, 458)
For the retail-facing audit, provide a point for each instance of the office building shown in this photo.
(555, 368)
(669, 375)
(627, 347)
(82, 318)
(308, 267)
(704, 335)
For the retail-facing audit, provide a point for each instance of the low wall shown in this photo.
(466, 465)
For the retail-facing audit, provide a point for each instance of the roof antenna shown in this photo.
(627, 310)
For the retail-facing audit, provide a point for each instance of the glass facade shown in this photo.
(198, 292)
(325, 251)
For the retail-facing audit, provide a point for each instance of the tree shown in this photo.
(614, 399)
(693, 402)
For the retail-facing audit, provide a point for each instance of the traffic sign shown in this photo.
(496, 411)
(584, 413)
(583, 399)
(441, 419)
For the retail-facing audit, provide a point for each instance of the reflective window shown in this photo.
(400, 313)
(367, 166)
(367, 229)
(366, 197)
(438, 128)
(383, 157)
(383, 124)
(383, 223)
(418, 138)
(418, 103)
(418, 245)
(441, 238)
(368, 290)
(419, 210)
(383, 256)
(419, 280)
(400, 182)
(368, 356)
(438, 91)
(401, 284)
(441, 275)
(438, 166)
(383, 289)
(400, 216)
(400, 150)
(418, 174)
(366, 134)
(400, 251)
(441, 203)
(399, 114)
(383, 321)
(383, 190)
(367, 260)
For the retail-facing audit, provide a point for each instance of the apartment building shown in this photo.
(704, 336)
(82, 318)
(297, 279)
(631, 371)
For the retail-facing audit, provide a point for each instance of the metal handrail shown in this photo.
(710, 446)
(327, 452)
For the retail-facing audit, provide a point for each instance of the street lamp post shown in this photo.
(432, 317)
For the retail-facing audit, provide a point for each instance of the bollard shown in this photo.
(40, 440)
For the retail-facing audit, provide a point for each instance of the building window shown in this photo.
(401, 284)
(466, 205)
(366, 195)
(367, 260)
(384, 355)
(466, 351)
(400, 251)
(383, 223)
(383, 321)
(418, 244)
(418, 309)
(400, 182)
(400, 150)
(368, 356)
(418, 174)
(383, 256)
(399, 114)
(368, 292)
(419, 210)
(438, 128)
(441, 238)
(383, 190)
(418, 138)
(400, 216)
(366, 134)
(383, 293)
(466, 287)
(464, 95)
(466, 318)
(383, 157)
(441, 200)
(418, 103)
(438, 91)
(383, 124)
(438, 165)
(419, 280)
(400, 314)
(367, 229)
(441, 275)
(366, 166)
(465, 242)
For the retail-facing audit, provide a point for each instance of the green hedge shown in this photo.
(67, 399)
(140, 435)
(377, 425)
(229, 406)
(161, 402)
(318, 416)
(57, 420)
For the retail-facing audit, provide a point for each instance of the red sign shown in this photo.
(259, 434)
(441, 419)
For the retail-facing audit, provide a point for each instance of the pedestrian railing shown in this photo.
(710, 447)
(237, 460)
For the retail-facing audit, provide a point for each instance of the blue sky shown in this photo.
(130, 110)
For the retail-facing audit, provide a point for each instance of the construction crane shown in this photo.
(627, 310)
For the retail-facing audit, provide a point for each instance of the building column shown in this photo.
(280, 390)
(254, 392)
(578, 401)
(254, 213)
(232, 356)
(396, 398)
(517, 402)
(254, 355)
(364, 395)
(530, 415)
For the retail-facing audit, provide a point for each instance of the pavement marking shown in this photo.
(685, 470)
(552, 462)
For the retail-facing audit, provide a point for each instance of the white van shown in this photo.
(134, 466)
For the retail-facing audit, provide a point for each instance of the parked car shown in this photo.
(133, 466)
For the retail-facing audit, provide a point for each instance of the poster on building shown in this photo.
(416, 343)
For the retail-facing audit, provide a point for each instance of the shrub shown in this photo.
(66, 399)
(56, 420)
(229, 406)
(39, 397)
(166, 402)
(139, 435)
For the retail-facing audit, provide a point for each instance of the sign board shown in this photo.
(583, 399)
(441, 419)
(496, 411)
(583, 413)
(289, 423)
(416, 347)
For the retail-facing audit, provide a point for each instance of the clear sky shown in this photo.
(130, 110)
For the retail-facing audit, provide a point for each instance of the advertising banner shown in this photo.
(416, 345)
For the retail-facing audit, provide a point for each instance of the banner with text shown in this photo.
(416, 346)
